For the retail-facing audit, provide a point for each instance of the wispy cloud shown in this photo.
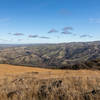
(53, 31)
(94, 20)
(84, 36)
(66, 30)
(44, 37)
(36, 36)
(18, 34)
(33, 36)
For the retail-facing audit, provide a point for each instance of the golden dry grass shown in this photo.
(27, 83)
(6, 69)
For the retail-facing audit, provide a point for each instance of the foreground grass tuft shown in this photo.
(30, 86)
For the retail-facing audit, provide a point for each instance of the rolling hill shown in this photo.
(76, 55)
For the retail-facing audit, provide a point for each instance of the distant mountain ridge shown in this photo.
(75, 55)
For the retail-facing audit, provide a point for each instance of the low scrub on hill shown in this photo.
(80, 55)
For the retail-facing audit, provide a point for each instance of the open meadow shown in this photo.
(27, 83)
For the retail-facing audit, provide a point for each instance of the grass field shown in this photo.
(27, 83)
(48, 73)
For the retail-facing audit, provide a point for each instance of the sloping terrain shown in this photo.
(80, 55)
(26, 83)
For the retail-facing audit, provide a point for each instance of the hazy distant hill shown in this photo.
(74, 55)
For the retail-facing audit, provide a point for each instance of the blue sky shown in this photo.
(49, 21)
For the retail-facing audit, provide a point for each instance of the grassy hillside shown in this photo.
(80, 55)
(25, 83)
